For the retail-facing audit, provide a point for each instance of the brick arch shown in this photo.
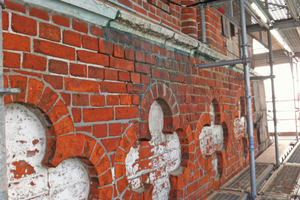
(206, 163)
(62, 141)
(90, 152)
(164, 96)
(181, 177)
(215, 98)
(130, 138)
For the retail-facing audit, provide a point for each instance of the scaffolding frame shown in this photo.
(244, 59)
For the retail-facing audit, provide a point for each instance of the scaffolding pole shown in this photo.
(295, 101)
(273, 98)
(251, 149)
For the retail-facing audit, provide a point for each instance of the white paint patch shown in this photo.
(212, 139)
(240, 124)
(28, 178)
(166, 157)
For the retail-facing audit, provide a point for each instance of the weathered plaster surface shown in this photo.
(27, 177)
(165, 159)
(212, 138)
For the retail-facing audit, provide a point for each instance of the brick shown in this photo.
(97, 31)
(66, 97)
(90, 43)
(38, 13)
(84, 129)
(55, 50)
(55, 81)
(119, 51)
(60, 20)
(94, 58)
(16, 42)
(72, 38)
(160, 74)
(135, 78)
(80, 99)
(48, 99)
(113, 87)
(34, 62)
(115, 129)
(15, 6)
(125, 100)
(146, 152)
(11, 60)
(92, 114)
(78, 70)
(25, 25)
(106, 47)
(111, 74)
(154, 49)
(129, 54)
(135, 99)
(145, 79)
(5, 20)
(97, 100)
(35, 89)
(121, 64)
(80, 85)
(126, 112)
(111, 144)
(124, 76)
(136, 88)
(96, 72)
(113, 100)
(76, 112)
(50, 32)
(140, 56)
(79, 26)
(143, 68)
(21, 83)
(58, 67)
(58, 111)
(100, 130)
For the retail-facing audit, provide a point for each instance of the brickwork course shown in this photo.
(95, 85)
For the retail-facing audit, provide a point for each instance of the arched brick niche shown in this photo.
(62, 142)
(131, 139)
(164, 96)
(239, 129)
(213, 142)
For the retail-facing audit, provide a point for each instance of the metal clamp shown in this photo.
(7, 91)
(251, 149)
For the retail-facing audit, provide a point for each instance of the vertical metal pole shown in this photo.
(248, 101)
(297, 88)
(230, 8)
(203, 29)
(295, 100)
(3, 164)
(273, 98)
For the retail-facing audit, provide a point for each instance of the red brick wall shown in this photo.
(96, 85)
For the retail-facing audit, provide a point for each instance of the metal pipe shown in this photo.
(273, 98)
(230, 8)
(248, 101)
(3, 163)
(256, 78)
(223, 63)
(294, 92)
(203, 29)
